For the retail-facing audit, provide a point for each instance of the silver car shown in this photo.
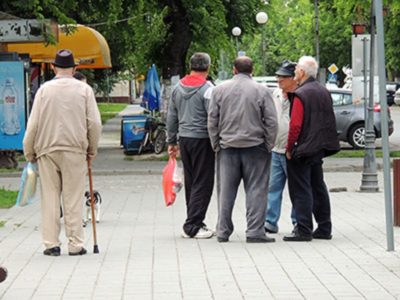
(350, 118)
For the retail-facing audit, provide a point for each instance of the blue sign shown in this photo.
(332, 78)
(12, 105)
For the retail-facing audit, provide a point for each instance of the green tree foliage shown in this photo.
(167, 32)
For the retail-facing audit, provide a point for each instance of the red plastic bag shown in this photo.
(168, 182)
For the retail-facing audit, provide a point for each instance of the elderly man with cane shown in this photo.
(62, 133)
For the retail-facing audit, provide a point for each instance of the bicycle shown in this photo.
(155, 137)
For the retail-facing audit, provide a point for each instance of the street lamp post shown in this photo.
(261, 19)
(369, 182)
(236, 31)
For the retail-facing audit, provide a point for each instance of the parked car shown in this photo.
(350, 119)
(397, 97)
(391, 88)
(268, 81)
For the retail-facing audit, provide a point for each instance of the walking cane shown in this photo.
(95, 247)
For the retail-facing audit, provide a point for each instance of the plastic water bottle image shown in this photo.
(10, 122)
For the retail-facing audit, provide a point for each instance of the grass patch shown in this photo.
(2, 223)
(110, 110)
(7, 198)
(360, 153)
(12, 170)
(147, 157)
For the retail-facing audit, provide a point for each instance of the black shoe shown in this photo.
(82, 252)
(267, 230)
(296, 237)
(262, 239)
(3, 274)
(222, 239)
(321, 236)
(55, 251)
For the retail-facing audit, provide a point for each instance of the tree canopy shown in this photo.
(167, 32)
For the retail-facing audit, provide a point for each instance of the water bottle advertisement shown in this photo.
(12, 105)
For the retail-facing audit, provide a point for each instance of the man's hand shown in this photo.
(288, 155)
(173, 150)
(31, 158)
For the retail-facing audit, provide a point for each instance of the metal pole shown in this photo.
(263, 50)
(316, 32)
(369, 182)
(237, 46)
(377, 13)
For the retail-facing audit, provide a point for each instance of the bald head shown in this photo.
(243, 64)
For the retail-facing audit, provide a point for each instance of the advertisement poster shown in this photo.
(12, 105)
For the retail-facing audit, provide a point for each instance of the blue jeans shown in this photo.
(277, 183)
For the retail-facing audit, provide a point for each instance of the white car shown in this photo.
(397, 97)
(268, 81)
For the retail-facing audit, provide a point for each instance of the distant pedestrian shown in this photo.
(287, 84)
(242, 123)
(312, 136)
(187, 118)
(62, 133)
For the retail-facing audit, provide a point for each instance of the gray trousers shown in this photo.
(252, 165)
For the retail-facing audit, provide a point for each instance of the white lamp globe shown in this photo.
(261, 17)
(236, 31)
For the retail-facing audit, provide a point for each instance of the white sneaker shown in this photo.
(204, 233)
(208, 229)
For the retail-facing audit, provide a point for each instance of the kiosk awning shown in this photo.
(89, 47)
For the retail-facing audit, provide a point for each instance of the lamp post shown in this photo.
(369, 182)
(261, 19)
(236, 31)
(316, 31)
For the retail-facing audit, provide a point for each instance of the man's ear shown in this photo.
(235, 71)
(53, 68)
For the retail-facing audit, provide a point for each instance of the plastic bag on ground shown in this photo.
(27, 188)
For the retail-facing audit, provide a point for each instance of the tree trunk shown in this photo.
(178, 43)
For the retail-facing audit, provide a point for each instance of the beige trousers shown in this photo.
(62, 174)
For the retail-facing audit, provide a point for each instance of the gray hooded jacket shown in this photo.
(187, 112)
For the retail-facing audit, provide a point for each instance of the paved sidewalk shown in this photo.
(142, 255)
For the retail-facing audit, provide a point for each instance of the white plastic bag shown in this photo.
(177, 178)
(27, 187)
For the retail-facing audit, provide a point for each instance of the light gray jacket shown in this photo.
(242, 114)
(282, 108)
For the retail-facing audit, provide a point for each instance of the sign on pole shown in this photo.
(333, 68)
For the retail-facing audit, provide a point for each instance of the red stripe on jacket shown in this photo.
(296, 123)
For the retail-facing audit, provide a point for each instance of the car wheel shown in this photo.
(357, 136)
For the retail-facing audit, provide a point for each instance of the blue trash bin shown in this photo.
(132, 132)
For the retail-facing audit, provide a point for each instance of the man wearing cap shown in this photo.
(62, 133)
(242, 123)
(187, 117)
(312, 136)
(278, 176)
